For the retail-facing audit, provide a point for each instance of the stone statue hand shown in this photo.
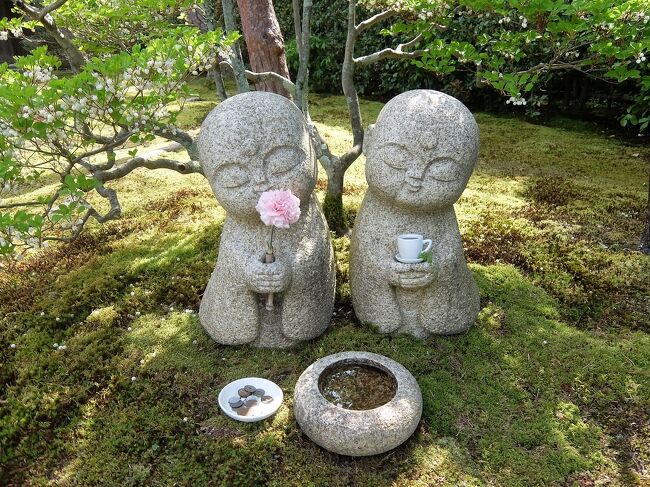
(268, 278)
(411, 276)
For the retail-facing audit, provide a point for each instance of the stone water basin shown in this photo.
(357, 403)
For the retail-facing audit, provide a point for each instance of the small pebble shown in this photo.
(194, 342)
(243, 392)
(185, 419)
(133, 379)
(153, 354)
(258, 392)
(129, 329)
(56, 345)
(142, 362)
(13, 345)
(250, 389)
(267, 399)
(137, 313)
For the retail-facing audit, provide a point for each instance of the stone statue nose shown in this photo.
(261, 185)
(414, 173)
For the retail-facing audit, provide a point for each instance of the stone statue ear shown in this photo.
(367, 136)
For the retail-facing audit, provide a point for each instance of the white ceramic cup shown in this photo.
(411, 245)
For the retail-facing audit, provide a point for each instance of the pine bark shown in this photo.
(264, 42)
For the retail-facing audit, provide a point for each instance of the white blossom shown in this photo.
(516, 100)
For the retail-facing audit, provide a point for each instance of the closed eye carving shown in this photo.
(396, 156)
(232, 175)
(444, 169)
(283, 159)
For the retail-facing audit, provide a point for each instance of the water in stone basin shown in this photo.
(357, 386)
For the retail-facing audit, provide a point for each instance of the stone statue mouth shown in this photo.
(413, 188)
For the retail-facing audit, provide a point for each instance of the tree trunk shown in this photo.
(213, 13)
(333, 204)
(644, 246)
(264, 42)
(238, 67)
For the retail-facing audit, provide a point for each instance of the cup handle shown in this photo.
(428, 246)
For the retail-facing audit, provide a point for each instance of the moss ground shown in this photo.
(551, 387)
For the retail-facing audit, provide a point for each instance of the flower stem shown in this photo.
(270, 249)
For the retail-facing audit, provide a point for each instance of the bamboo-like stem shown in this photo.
(269, 258)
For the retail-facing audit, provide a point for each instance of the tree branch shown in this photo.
(408, 45)
(122, 170)
(183, 138)
(387, 53)
(114, 212)
(375, 19)
(553, 66)
(347, 81)
(236, 58)
(50, 8)
(18, 205)
(400, 52)
(63, 38)
(302, 78)
(266, 76)
(120, 139)
(297, 27)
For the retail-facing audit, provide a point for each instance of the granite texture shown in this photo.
(352, 432)
(251, 143)
(420, 155)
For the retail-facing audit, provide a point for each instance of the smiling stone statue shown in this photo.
(251, 143)
(420, 155)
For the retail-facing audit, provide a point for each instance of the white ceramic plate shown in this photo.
(408, 261)
(258, 411)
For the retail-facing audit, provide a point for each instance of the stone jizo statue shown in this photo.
(420, 155)
(249, 144)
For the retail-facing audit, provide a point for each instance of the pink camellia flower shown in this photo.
(279, 208)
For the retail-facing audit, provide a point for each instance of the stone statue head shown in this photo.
(254, 142)
(421, 151)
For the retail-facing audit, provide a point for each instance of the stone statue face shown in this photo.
(254, 142)
(422, 150)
